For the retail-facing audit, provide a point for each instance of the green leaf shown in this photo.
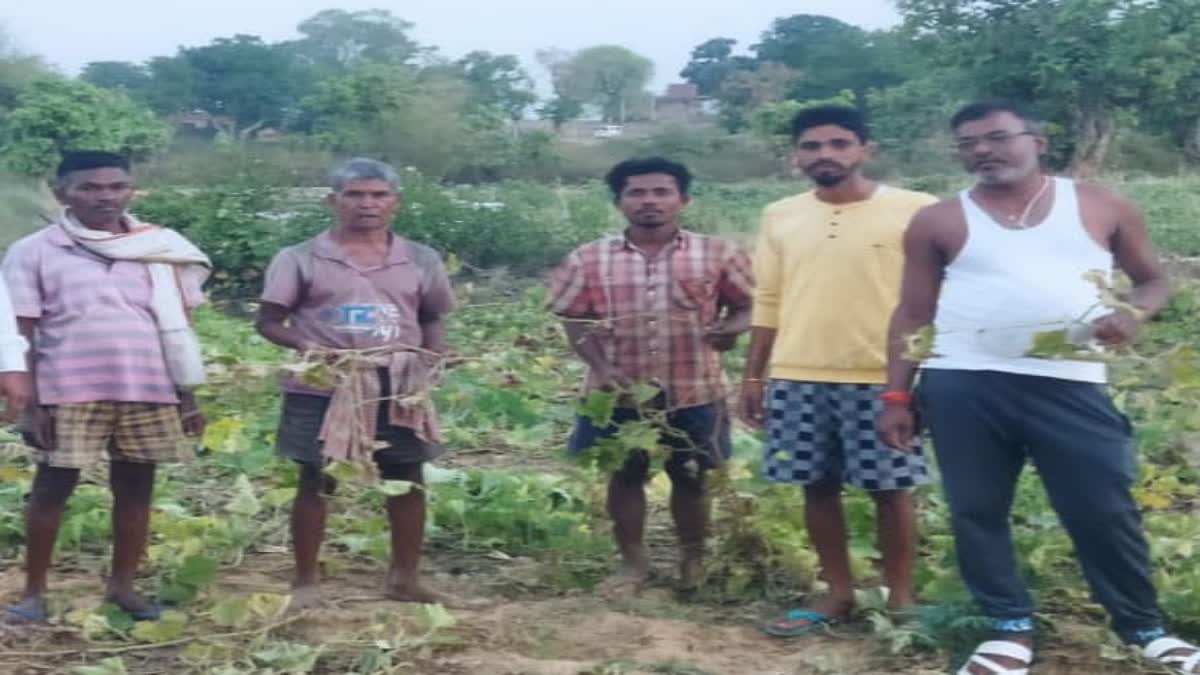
(598, 407)
(279, 497)
(195, 572)
(1052, 344)
(644, 392)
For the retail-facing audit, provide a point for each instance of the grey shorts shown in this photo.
(300, 427)
(818, 431)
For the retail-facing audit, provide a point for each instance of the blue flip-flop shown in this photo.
(812, 622)
(26, 615)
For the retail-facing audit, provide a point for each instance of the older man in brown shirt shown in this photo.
(360, 292)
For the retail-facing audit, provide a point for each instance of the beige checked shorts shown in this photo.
(148, 433)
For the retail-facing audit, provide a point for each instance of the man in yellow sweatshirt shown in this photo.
(828, 266)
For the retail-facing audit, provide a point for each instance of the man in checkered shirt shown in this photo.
(656, 305)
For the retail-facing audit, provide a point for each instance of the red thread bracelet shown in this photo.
(897, 397)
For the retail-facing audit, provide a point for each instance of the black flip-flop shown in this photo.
(152, 613)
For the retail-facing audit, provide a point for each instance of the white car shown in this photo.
(609, 131)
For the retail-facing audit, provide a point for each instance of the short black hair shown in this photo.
(844, 116)
(620, 174)
(973, 112)
(84, 160)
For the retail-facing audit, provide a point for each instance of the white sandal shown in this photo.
(1159, 649)
(1012, 650)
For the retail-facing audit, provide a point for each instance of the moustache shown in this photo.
(824, 164)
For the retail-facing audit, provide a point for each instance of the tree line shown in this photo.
(358, 82)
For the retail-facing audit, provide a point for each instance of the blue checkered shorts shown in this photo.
(818, 430)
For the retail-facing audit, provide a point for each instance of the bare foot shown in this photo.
(902, 608)
(691, 573)
(410, 589)
(1024, 639)
(28, 611)
(627, 582)
(305, 596)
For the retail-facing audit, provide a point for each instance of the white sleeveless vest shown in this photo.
(1006, 285)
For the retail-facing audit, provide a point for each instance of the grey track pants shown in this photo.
(985, 425)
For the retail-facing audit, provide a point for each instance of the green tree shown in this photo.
(563, 106)
(773, 122)
(748, 90)
(336, 39)
(345, 111)
(18, 71)
(243, 77)
(833, 55)
(609, 76)
(1171, 107)
(131, 79)
(174, 85)
(1083, 63)
(713, 63)
(497, 81)
(57, 114)
(560, 110)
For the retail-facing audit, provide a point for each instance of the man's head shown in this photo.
(366, 194)
(96, 186)
(832, 142)
(650, 192)
(999, 142)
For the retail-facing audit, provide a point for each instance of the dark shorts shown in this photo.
(698, 433)
(300, 427)
(818, 431)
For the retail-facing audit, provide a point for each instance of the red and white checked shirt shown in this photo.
(651, 313)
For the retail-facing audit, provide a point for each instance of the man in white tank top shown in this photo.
(989, 269)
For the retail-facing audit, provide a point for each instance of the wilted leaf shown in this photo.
(243, 610)
(437, 617)
(244, 502)
(288, 657)
(169, 627)
(111, 666)
(397, 488)
(918, 346)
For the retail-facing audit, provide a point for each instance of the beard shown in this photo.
(828, 180)
(828, 174)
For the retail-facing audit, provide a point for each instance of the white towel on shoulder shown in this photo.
(172, 261)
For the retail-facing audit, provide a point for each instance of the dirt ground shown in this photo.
(527, 627)
(547, 634)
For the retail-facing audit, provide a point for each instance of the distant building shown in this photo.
(202, 124)
(682, 103)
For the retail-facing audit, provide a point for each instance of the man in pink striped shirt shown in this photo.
(101, 379)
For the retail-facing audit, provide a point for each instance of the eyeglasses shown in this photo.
(995, 139)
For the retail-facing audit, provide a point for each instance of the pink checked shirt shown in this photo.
(652, 313)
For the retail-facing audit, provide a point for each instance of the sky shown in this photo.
(71, 33)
